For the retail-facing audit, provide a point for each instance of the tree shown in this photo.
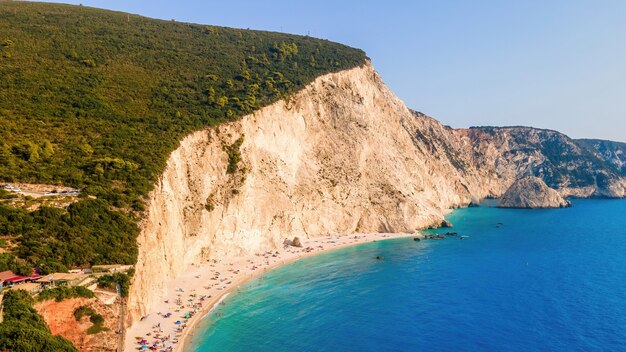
(222, 101)
(27, 151)
(47, 150)
(6, 159)
(210, 95)
(86, 149)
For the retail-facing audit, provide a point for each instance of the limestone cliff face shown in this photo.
(532, 192)
(343, 155)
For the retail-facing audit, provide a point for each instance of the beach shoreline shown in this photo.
(207, 284)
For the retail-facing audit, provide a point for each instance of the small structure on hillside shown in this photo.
(9, 278)
(111, 268)
(6, 275)
(56, 279)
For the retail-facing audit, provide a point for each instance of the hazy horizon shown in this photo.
(556, 66)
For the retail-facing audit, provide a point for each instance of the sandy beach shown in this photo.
(194, 294)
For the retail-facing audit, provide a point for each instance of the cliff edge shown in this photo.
(344, 155)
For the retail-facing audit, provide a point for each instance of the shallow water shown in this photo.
(546, 280)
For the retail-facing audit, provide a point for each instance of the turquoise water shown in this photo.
(546, 280)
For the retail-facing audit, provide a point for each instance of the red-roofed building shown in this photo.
(10, 278)
(17, 280)
(6, 275)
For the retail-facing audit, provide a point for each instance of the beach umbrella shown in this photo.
(177, 322)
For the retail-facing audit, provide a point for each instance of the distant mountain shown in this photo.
(570, 166)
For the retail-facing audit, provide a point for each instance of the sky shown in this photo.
(551, 64)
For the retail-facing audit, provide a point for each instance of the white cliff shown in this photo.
(343, 155)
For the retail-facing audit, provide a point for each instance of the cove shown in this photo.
(543, 280)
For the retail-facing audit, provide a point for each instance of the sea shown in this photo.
(519, 280)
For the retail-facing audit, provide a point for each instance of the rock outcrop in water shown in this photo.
(532, 192)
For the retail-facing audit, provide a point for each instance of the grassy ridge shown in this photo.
(98, 99)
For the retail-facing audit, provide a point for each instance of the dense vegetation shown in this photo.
(111, 282)
(97, 100)
(64, 292)
(86, 233)
(19, 266)
(24, 330)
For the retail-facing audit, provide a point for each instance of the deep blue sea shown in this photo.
(546, 280)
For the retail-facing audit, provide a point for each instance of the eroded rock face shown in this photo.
(60, 318)
(342, 156)
(532, 192)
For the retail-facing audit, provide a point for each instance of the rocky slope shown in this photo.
(514, 152)
(343, 155)
(532, 192)
(60, 318)
(613, 153)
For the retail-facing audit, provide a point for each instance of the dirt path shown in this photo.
(122, 331)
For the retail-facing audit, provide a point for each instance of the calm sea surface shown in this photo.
(546, 280)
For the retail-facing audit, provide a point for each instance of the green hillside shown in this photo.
(97, 100)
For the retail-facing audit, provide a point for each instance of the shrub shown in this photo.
(96, 328)
(83, 311)
(111, 282)
(96, 319)
(234, 155)
(61, 293)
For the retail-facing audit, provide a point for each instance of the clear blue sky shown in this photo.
(551, 64)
